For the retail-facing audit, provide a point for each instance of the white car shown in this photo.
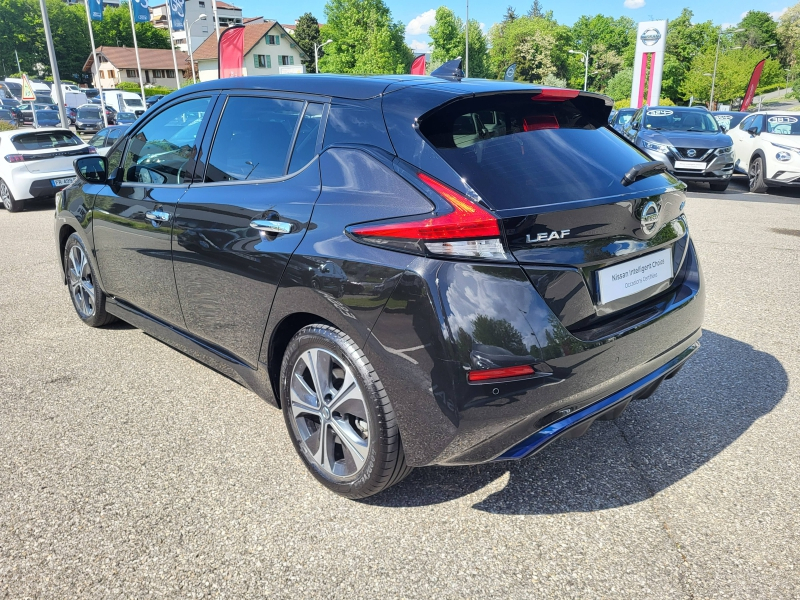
(37, 163)
(767, 146)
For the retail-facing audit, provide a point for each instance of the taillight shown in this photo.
(467, 231)
(484, 375)
(15, 158)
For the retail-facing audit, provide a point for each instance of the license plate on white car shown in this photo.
(690, 165)
(64, 181)
(633, 276)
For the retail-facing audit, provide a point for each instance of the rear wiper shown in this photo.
(643, 170)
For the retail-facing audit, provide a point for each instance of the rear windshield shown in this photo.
(89, 113)
(516, 152)
(42, 140)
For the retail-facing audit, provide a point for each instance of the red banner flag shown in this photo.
(751, 87)
(231, 52)
(418, 66)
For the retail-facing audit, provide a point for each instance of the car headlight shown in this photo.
(663, 148)
(726, 150)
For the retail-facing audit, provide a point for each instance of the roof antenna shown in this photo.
(450, 70)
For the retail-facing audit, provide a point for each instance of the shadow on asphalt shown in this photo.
(656, 442)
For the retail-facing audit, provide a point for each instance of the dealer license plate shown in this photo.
(64, 181)
(633, 276)
(690, 165)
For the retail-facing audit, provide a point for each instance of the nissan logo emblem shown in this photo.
(691, 153)
(650, 37)
(649, 216)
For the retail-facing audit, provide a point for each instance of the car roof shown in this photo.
(776, 112)
(729, 112)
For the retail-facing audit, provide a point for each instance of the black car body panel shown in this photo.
(208, 283)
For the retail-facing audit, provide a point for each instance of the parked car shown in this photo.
(125, 118)
(48, 118)
(767, 148)
(107, 137)
(24, 112)
(6, 116)
(728, 119)
(37, 163)
(13, 88)
(89, 118)
(150, 100)
(536, 277)
(72, 114)
(688, 141)
(110, 111)
(91, 92)
(622, 118)
(122, 101)
(9, 103)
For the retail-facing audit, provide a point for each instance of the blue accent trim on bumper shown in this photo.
(555, 430)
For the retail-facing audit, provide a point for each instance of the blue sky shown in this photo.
(418, 15)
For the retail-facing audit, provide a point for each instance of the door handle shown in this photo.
(271, 226)
(157, 215)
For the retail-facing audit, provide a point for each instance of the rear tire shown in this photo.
(8, 199)
(719, 187)
(756, 176)
(87, 297)
(338, 414)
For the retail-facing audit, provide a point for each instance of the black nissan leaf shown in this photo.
(416, 270)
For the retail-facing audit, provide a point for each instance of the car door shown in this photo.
(133, 214)
(235, 232)
(748, 142)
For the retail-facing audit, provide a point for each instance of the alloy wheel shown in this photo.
(81, 282)
(5, 195)
(329, 413)
(755, 173)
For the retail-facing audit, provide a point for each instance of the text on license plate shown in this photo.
(62, 182)
(690, 165)
(632, 276)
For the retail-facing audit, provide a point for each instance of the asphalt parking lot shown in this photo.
(129, 470)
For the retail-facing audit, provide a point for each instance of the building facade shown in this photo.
(118, 65)
(228, 15)
(268, 50)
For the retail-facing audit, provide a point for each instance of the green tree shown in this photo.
(307, 34)
(760, 32)
(538, 45)
(620, 85)
(685, 41)
(789, 35)
(447, 36)
(365, 39)
(115, 30)
(733, 74)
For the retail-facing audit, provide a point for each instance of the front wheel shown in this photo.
(8, 199)
(87, 297)
(339, 417)
(756, 176)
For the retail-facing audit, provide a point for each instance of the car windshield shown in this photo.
(129, 116)
(133, 102)
(88, 113)
(676, 119)
(623, 116)
(783, 125)
(42, 140)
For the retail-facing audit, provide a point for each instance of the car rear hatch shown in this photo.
(599, 250)
(48, 151)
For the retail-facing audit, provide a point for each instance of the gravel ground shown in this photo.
(129, 470)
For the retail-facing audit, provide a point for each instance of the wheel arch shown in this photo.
(758, 152)
(64, 232)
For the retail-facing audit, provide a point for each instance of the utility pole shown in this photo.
(172, 45)
(19, 69)
(216, 19)
(62, 113)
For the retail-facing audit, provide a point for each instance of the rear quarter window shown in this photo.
(518, 152)
(42, 140)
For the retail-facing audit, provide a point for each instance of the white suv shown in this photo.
(767, 146)
(37, 163)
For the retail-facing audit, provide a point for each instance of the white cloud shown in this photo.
(418, 46)
(482, 26)
(725, 26)
(778, 13)
(420, 24)
(633, 3)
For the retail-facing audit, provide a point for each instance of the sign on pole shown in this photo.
(141, 12)
(28, 94)
(96, 9)
(178, 9)
(648, 64)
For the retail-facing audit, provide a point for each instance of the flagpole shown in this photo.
(136, 49)
(216, 19)
(172, 44)
(95, 64)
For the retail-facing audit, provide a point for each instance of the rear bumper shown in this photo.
(25, 185)
(579, 422)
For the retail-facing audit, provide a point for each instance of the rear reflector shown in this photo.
(468, 230)
(501, 373)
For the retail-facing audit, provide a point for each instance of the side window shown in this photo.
(114, 160)
(747, 123)
(306, 145)
(759, 123)
(113, 136)
(99, 139)
(165, 149)
(253, 139)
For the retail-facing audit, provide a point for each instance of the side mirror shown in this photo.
(753, 131)
(724, 128)
(92, 169)
(635, 125)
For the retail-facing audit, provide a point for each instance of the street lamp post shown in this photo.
(316, 54)
(189, 43)
(585, 58)
(716, 60)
